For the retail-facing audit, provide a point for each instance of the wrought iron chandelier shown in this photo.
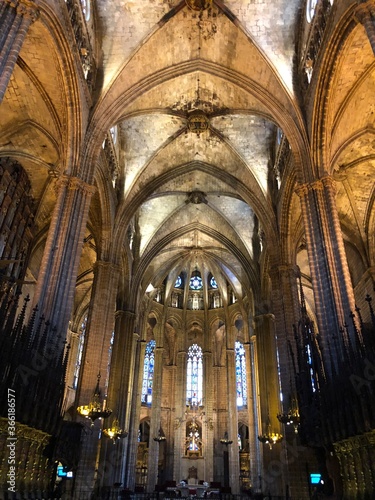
(95, 409)
(115, 432)
(290, 417)
(225, 440)
(270, 438)
(159, 438)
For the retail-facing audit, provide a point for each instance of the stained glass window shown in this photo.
(195, 282)
(113, 132)
(109, 363)
(194, 379)
(310, 9)
(148, 373)
(79, 352)
(85, 4)
(241, 383)
(178, 282)
(213, 282)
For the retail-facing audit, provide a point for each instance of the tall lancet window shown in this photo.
(194, 379)
(241, 383)
(148, 373)
(81, 343)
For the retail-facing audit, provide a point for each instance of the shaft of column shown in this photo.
(333, 291)
(234, 469)
(95, 360)
(120, 391)
(130, 473)
(366, 16)
(269, 397)
(153, 458)
(55, 288)
(26, 13)
(8, 13)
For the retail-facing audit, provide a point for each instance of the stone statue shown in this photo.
(219, 340)
(170, 337)
(151, 322)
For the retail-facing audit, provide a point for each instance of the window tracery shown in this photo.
(241, 382)
(213, 283)
(310, 9)
(195, 282)
(86, 9)
(77, 368)
(194, 378)
(148, 373)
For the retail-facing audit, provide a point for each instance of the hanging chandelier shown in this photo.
(115, 432)
(270, 438)
(197, 119)
(95, 409)
(290, 417)
(159, 438)
(225, 440)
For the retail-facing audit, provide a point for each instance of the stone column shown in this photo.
(286, 309)
(113, 461)
(365, 13)
(333, 292)
(234, 464)
(256, 452)
(95, 360)
(208, 418)
(16, 17)
(99, 330)
(135, 416)
(153, 456)
(168, 416)
(180, 420)
(269, 398)
(252, 408)
(55, 288)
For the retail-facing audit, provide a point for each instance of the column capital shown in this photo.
(260, 317)
(318, 185)
(363, 10)
(329, 182)
(11, 3)
(119, 313)
(28, 9)
(302, 190)
(103, 264)
(75, 184)
(284, 269)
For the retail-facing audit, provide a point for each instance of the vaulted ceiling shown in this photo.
(208, 190)
(210, 198)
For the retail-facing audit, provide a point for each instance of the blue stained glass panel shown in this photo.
(241, 380)
(194, 378)
(148, 373)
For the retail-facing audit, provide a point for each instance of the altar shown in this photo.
(191, 490)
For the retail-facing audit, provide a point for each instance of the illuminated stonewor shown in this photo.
(173, 175)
